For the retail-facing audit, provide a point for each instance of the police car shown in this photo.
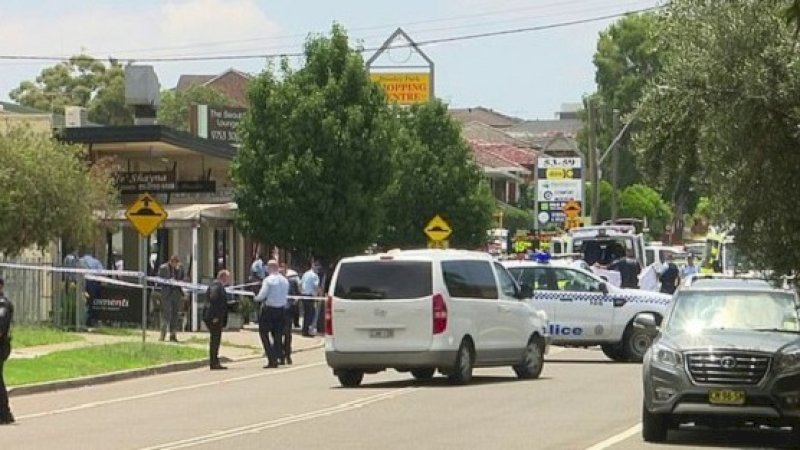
(584, 310)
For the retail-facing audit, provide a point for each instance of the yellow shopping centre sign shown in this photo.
(405, 88)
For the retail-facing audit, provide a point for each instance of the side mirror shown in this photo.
(604, 288)
(645, 320)
(525, 292)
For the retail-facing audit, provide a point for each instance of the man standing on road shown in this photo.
(273, 298)
(309, 287)
(215, 316)
(6, 316)
(292, 312)
(690, 269)
(629, 270)
(670, 276)
(171, 297)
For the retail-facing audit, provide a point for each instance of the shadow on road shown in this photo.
(442, 382)
(729, 438)
(587, 361)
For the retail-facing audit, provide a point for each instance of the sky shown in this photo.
(529, 75)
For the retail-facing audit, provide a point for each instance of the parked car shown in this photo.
(427, 310)
(728, 354)
(585, 310)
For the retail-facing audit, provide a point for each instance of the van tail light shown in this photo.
(329, 316)
(439, 314)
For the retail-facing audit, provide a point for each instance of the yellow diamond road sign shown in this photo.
(146, 214)
(437, 229)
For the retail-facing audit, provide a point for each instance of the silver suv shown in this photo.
(728, 354)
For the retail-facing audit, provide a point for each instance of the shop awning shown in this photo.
(179, 216)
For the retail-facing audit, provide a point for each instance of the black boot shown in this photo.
(6, 418)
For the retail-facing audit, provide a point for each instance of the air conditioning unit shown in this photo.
(76, 116)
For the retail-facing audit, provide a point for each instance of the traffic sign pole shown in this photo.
(143, 264)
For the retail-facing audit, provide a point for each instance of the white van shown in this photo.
(426, 310)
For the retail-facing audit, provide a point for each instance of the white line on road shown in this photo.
(112, 401)
(275, 423)
(617, 438)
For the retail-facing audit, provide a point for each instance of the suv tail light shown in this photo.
(439, 314)
(329, 316)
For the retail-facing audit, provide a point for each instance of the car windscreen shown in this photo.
(384, 280)
(602, 251)
(695, 311)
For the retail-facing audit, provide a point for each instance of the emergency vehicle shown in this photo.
(584, 310)
(721, 255)
(602, 244)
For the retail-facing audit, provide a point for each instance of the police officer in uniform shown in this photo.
(6, 316)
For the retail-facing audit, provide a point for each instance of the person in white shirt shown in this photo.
(309, 287)
(273, 299)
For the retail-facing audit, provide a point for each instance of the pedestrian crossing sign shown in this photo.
(146, 214)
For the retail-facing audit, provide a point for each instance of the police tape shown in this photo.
(112, 277)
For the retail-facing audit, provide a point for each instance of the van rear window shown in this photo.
(384, 280)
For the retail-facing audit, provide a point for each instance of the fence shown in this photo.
(33, 292)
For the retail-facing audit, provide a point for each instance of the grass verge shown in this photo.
(109, 331)
(31, 336)
(95, 360)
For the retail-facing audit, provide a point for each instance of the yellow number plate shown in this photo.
(726, 397)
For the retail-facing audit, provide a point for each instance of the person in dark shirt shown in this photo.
(215, 316)
(670, 276)
(6, 316)
(629, 270)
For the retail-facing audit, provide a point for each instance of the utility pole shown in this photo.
(592, 156)
(615, 168)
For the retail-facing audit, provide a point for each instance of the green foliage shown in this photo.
(516, 218)
(81, 81)
(48, 192)
(434, 174)
(626, 60)
(606, 198)
(639, 202)
(724, 113)
(176, 105)
(32, 336)
(316, 153)
(96, 360)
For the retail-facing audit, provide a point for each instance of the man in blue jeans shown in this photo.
(273, 298)
(309, 287)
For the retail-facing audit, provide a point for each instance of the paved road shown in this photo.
(581, 402)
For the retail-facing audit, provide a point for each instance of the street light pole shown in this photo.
(615, 169)
(593, 160)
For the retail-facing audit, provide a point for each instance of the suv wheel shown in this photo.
(614, 352)
(423, 374)
(462, 372)
(654, 426)
(533, 363)
(350, 378)
(635, 342)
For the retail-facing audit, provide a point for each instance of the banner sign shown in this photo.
(405, 88)
(120, 304)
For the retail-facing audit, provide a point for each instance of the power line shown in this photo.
(300, 53)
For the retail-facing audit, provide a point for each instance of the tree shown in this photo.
(641, 202)
(80, 81)
(606, 194)
(725, 111)
(435, 174)
(176, 105)
(626, 60)
(47, 192)
(316, 153)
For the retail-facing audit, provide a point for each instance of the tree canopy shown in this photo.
(434, 173)
(316, 155)
(48, 191)
(723, 113)
(176, 105)
(81, 81)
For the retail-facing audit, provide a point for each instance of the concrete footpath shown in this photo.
(238, 345)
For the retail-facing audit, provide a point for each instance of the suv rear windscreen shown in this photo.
(384, 280)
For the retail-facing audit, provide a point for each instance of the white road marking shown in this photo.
(112, 401)
(617, 438)
(288, 420)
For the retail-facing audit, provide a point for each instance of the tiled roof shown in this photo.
(484, 115)
(186, 81)
(482, 132)
(519, 156)
(19, 109)
(548, 128)
(485, 158)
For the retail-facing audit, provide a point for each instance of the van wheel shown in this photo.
(635, 342)
(533, 363)
(613, 351)
(795, 436)
(423, 374)
(350, 378)
(462, 372)
(654, 426)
